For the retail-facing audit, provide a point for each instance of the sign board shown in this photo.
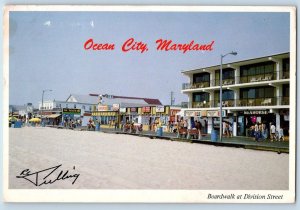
(146, 109)
(115, 107)
(216, 113)
(104, 113)
(71, 111)
(250, 112)
(160, 109)
(122, 110)
(133, 109)
(173, 112)
(193, 113)
(102, 108)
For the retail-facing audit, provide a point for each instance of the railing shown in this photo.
(195, 85)
(284, 100)
(225, 103)
(284, 75)
(258, 78)
(216, 82)
(201, 104)
(269, 101)
(239, 80)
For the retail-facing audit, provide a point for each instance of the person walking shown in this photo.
(273, 131)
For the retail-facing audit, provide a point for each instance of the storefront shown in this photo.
(248, 118)
(70, 114)
(106, 117)
(284, 115)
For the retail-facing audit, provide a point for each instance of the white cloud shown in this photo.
(47, 23)
(92, 24)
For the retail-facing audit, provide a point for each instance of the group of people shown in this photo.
(227, 129)
(260, 131)
(72, 123)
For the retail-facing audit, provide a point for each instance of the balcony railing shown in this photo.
(195, 85)
(201, 104)
(269, 101)
(238, 80)
(226, 103)
(284, 75)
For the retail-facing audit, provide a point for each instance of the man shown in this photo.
(273, 131)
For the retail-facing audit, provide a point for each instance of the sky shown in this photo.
(47, 50)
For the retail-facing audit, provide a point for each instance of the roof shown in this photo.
(17, 107)
(149, 101)
(130, 101)
(85, 99)
(124, 101)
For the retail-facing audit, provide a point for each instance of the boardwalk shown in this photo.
(116, 161)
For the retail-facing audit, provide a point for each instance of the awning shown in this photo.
(51, 116)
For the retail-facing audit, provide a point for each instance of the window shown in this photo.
(200, 97)
(259, 92)
(228, 73)
(202, 77)
(74, 106)
(67, 106)
(257, 69)
(83, 107)
(286, 64)
(285, 90)
(226, 95)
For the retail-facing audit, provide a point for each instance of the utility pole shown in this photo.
(172, 98)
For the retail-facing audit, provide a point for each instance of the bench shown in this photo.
(193, 133)
(182, 132)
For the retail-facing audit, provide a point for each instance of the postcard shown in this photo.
(149, 104)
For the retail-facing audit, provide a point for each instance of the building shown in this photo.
(22, 111)
(105, 108)
(123, 109)
(254, 91)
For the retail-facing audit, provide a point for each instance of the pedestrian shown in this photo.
(116, 125)
(185, 124)
(230, 130)
(264, 132)
(273, 131)
(281, 135)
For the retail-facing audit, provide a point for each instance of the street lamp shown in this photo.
(43, 102)
(221, 102)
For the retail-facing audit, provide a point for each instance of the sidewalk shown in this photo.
(237, 141)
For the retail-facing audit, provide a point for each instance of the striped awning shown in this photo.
(51, 116)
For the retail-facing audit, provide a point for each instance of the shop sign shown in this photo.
(146, 109)
(193, 113)
(102, 108)
(256, 112)
(174, 112)
(104, 113)
(160, 109)
(116, 107)
(71, 111)
(122, 110)
(203, 113)
(216, 113)
(133, 109)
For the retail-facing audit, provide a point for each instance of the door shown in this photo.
(241, 126)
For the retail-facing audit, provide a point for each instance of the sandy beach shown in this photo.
(115, 161)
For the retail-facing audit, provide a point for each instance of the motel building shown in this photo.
(254, 91)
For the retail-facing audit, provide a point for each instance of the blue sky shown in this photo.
(46, 50)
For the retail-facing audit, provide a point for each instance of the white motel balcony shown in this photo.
(277, 78)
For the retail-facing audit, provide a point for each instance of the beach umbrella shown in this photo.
(12, 118)
(35, 120)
